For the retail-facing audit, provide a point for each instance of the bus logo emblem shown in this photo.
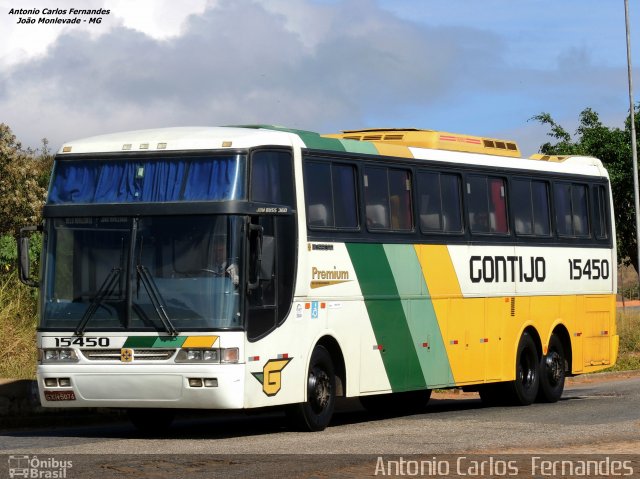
(271, 375)
(126, 355)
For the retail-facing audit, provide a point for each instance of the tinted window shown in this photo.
(530, 206)
(571, 209)
(272, 177)
(600, 221)
(486, 197)
(580, 210)
(387, 195)
(439, 202)
(400, 200)
(317, 182)
(331, 195)
(376, 196)
(344, 196)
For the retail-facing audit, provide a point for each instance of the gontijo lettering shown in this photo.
(507, 269)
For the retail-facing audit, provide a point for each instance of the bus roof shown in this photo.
(179, 138)
(416, 144)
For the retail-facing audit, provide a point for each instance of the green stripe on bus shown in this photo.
(387, 316)
(354, 146)
(140, 341)
(311, 139)
(421, 316)
(154, 342)
(169, 342)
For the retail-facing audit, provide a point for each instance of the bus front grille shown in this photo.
(150, 354)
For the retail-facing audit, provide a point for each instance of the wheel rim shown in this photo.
(319, 390)
(553, 367)
(527, 372)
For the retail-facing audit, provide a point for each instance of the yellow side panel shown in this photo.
(393, 150)
(463, 341)
(497, 314)
(599, 314)
(438, 271)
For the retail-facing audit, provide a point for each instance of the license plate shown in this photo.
(59, 395)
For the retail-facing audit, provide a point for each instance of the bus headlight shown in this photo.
(58, 356)
(224, 355)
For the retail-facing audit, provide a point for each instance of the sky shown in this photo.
(464, 66)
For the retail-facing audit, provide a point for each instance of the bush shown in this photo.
(18, 321)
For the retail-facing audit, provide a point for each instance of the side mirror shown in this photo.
(24, 261)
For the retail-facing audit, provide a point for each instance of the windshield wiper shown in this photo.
(156, 298)
(105, 289)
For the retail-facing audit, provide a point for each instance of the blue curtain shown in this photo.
(128, 181)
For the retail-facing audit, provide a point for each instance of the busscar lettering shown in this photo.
(507, 269)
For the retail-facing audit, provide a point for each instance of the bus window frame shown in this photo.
(363, 235)
(330, 162)
(418, 189)
(550, 208)
(488, 175)
(387, 167)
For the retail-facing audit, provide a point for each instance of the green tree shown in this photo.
(613, 147)
(24, 177)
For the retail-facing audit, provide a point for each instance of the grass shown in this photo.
(18, 320)
(629, 332)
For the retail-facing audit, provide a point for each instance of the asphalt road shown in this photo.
(599, 416)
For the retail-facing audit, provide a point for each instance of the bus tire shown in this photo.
(552, 372)
(151, 421)
(316, 412)
(524, 389)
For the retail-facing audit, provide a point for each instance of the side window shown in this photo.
(376, 197)
(600, 210)
(487, 204)
(571, 206)
(272, 177)
(530, 207)
(317, 178)
(330, 195)
(580, 210)
(387, 195)
(439, 203)
(400, 200)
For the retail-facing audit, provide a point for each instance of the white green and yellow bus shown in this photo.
(258, 266)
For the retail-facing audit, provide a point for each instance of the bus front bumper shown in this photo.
(196, 387)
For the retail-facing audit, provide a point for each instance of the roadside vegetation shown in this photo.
(629, 332)
(18, 320)
(24, 176)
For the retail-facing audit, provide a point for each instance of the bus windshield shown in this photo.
(169, 273)
(149, 179)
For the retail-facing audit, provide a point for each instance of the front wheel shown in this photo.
(552, 371)
(315, 413)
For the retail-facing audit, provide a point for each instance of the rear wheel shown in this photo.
(315, 414)
(524, 389)
(151, 421)
(552, 371)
